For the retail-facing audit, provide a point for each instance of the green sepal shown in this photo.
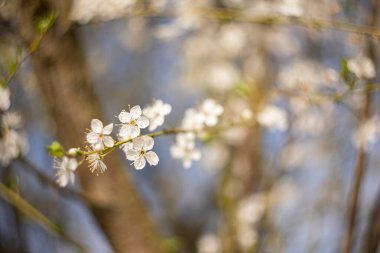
(55, 149)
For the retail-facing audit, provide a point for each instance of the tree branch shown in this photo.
(362, 158)
(28, 210)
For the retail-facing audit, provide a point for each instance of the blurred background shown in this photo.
(303, 177)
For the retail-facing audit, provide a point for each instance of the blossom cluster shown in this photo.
(137, 147)
(12, 141)
(135, 136)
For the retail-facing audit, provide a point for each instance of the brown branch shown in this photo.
(362, 160)
(371, 241)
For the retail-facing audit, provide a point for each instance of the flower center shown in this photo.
(133, 122)
(142, 152)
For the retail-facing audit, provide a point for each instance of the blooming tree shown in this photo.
(277, 104)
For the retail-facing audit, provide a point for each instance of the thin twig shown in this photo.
(28, 210)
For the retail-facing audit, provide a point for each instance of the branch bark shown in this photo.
(362, 159)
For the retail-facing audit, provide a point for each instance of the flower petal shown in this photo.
(139, 163)
(132, 154)
(142, 122)
(138, 143)
(136, 112)
(72, 164)
(96, 126)
(148, 142)
(107, 129)
(166, 109)
(134, 131)
(152, 158)
(92, 137)
(62, 180)
(125, 131)
(124, 117)
(98, 145)
(108, 141)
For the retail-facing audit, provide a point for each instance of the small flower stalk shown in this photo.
(137, 145)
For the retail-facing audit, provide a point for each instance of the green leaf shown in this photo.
(348, 77)
(206, 138)
(243, 90)
(46, 21)
(55, 149)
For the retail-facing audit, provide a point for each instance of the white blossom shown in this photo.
(84, 11)
(132, 122)
(99, 137)
(367, 134)
(221, 77)
(232, 38)
(247, 237)
(249, 211)
(12, 144)
(140, 152)
(210, 111)
(362, 67)
(184, 149)
(273, 117)
(156, 113)
(96, 164)
(209, 243)
(11, 120)
(193, 120)
(65, 170)
(5, 101)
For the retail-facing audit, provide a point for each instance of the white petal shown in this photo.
(218, 109)
(187, 163)
(92, 137)
(134, 131)
(107, 129)
(132, 154)
(73, 164)
(195, 155)
(211, 121)
(65, 162)
(108, 141)
(125, 131)
(135, 112)
(139, 163)
(63, 180)
(152, 158)
(98, 145)
(152, 126)
(138, 143)
(148, 142)
(96, 126)
(126, 147)
(176, 152)
(142, 122)
(166, 109)
(124, 117)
